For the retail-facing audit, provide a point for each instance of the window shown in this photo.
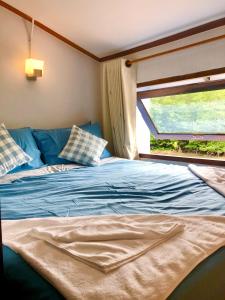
(186, 118)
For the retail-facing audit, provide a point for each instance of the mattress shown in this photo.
(115, 187)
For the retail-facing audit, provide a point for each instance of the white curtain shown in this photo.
(118, 87)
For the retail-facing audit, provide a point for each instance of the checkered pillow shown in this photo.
(11, 155)
(83, 147)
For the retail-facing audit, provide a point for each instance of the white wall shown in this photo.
(199, 58)
(67, 93)
(142, 134)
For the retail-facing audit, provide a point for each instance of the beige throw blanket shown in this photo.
(147, 255)
(213, 176)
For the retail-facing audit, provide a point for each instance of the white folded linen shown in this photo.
(107, 245)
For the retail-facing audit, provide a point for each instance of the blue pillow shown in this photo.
(24, 138)
(52, 141)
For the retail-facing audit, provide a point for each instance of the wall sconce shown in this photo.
(33, 67)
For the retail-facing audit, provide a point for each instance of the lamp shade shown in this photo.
(34, 67)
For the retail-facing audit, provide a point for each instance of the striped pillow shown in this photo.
(11, 155)
(83, 147)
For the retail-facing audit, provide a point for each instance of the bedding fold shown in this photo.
(107, 245)
(213, 176)
(45, 170)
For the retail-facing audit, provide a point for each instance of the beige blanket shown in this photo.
(156, 267)
(213, 176)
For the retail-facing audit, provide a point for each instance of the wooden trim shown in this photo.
(147, 118)
(182, 77)
(180, 35)
(204, 161)
(183, 89)
(174, 37)
(213, 39)
(48, 30)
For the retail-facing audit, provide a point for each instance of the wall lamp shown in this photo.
(33, 67)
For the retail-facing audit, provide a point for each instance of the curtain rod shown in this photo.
(130, 62)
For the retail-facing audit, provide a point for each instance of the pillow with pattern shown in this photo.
(83, 147)
(11, 155)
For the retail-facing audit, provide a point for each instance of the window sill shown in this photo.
(204, 161)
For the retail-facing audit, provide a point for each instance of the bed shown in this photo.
(118, 187)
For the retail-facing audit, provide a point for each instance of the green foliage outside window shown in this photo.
(201, 112)
(198, 147)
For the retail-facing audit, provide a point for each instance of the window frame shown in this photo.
(176, 90)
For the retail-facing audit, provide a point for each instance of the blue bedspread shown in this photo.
(121, 187)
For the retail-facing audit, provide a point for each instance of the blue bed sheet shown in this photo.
(123, 187)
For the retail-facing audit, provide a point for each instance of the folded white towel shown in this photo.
(107, 246)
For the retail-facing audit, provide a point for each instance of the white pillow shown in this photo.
(11, 155)
(83, 147)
